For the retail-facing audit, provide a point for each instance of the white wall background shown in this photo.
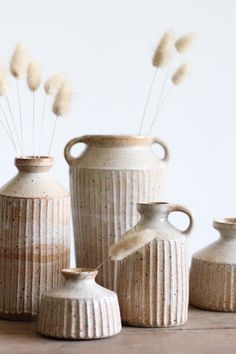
(105, 47)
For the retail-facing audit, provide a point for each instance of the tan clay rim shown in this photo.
(225, 223)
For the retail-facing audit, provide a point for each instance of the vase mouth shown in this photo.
(118, 140)
(79, 273)
(34, 163)
(225, 223)
(155, 205)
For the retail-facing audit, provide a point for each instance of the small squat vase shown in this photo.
(81, 309)
(213, 271)
(34, 237)
(153, 282)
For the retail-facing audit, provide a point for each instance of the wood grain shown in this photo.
(205, 333)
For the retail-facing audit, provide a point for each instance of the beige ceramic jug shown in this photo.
(106, 181)
(153, 283)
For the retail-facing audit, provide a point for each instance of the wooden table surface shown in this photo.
(205, 333)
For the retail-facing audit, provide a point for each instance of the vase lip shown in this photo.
(155, 205)
(34, 163)
(118, 140)
(227, 223)
(79, 273)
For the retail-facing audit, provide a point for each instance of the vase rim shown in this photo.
(82, 273)
(225, 223)
(118, 140)
(34, 163)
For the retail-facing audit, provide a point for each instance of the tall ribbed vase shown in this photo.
(106, 181)
(34, 237)
(153, 282)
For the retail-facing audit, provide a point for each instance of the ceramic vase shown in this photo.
(34, 237)
(153, 284)
(106, 181)
(81, 309)
(213, 271)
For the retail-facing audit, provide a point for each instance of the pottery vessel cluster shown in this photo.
(116, 185)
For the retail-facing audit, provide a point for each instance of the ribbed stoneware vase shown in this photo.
(81, 309)
(34, 237)
(106, 181)
(153, 284)
(213, 271)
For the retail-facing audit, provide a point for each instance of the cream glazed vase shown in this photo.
(153, 285)
(81, 309)
(106, 181)
(213, 271)
(34, 237)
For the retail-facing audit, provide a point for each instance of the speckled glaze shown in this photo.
(34, 237)
(153, 283)
(213, 271)
(106, 181)
(81, 309)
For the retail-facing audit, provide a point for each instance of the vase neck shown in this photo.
(153, 213)
(226, 228)
(31, 164)
(75, 276)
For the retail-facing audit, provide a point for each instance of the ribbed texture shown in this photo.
(213, 286)
(79, 318)
(153, 285)
(104, 207)
(34, 247)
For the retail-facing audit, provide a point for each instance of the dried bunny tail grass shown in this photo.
(3, 81)
(164, 50)
(19, 61)
(62, 100)
(34, 75)
(53, 84)
(181, 73)
(130, 243)
(185, 41)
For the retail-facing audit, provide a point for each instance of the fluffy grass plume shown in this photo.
(130, 243)
(19, 61)
(53, 84)
(61, 105)
(185, 41)
(164, 50)
(34, 76)
(3, 81)
(181, 73)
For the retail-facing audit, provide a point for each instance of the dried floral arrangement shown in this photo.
(163, 58)
(57, 86)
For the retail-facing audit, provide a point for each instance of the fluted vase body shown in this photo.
(81, 309)
(34, 237)
(213, 271)
(106, 181)
(153, 282)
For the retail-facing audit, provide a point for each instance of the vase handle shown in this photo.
(67, 151)
(182, 209)
(164, 147)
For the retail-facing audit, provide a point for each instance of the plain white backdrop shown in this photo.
(105, 47)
